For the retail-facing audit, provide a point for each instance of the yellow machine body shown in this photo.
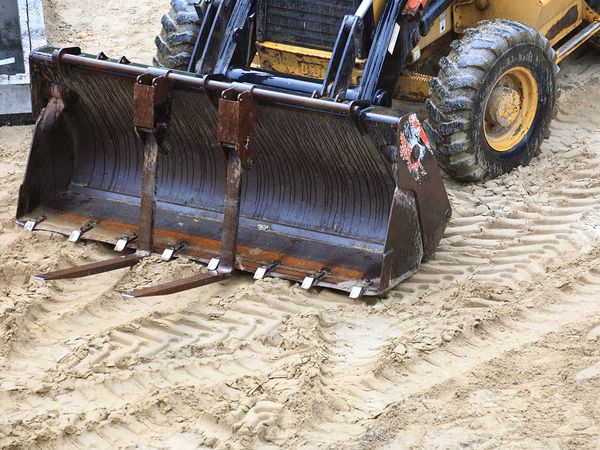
(555, 19)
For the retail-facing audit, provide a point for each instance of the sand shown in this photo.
(495, 343)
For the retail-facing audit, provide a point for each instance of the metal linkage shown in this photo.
(214, 50)
(341, 65)
(237, 114)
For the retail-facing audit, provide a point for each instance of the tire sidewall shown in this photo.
(534, 58)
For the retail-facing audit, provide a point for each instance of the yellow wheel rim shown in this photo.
(510, 109)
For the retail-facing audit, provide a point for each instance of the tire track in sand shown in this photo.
(269, 363)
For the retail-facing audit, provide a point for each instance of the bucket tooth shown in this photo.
(310, 280)
(356, 292)
(77, 233)
(123, 242)
(170, 251)
(262, 271)
(213, 264)
(92, 268)
(32, 223)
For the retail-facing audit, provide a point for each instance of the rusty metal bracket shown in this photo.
(237, 114)
(151, 113)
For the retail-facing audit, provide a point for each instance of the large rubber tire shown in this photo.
(460, 93)
(175, 43)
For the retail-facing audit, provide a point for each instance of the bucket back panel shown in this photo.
(108, 154)
(311, 171)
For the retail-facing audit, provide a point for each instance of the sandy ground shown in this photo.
(495, 343)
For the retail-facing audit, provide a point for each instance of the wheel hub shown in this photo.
(511, 109)
(504, 106)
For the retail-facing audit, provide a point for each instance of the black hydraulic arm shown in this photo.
(387, 30)
(225, 37)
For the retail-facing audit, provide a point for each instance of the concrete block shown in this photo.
(22, 25)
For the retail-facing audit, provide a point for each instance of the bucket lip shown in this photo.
(188, 80)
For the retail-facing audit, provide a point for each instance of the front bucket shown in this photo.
(350, 197)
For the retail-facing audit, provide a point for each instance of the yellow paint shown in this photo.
(511, 109)
(442, 26)
(412, 87)
(541, 15)
(299, 61)
(378, 6)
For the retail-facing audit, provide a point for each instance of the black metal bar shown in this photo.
(235, 27)
(215, 37)
(343, 58)
(279, 81)
(432, 12)
(185, 80)
(207, 19)
(379, 50)
(91, 269)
